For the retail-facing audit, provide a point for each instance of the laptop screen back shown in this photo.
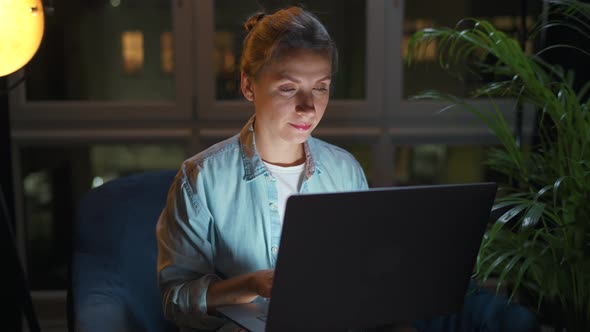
(377, 257)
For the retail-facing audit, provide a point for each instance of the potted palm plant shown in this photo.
(539, 246)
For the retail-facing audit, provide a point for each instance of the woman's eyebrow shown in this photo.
(291, 78)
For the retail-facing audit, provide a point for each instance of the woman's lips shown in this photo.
(302, 127)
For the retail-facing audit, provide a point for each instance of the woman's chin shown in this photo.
(299, 138)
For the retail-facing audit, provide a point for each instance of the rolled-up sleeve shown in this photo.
(185, 254)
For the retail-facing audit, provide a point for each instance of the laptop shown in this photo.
(363, 259)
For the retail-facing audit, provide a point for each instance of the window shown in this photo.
(122, 86)
(102, 51)
(419, 14)
(349, 81)
(53, 181)
(428, 164)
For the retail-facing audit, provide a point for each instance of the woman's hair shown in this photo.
(272, 36)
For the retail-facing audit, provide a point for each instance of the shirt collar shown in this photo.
(253, 165)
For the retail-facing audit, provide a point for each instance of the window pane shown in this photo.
(364, 155)
(344, 20)
(441, 164)
(106, 50)
(426, 73)
(54, 179)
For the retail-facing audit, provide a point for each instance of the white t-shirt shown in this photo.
(289, 180)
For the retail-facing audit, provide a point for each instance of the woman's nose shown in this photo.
(305, 102)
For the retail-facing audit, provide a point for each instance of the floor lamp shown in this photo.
(21, 28)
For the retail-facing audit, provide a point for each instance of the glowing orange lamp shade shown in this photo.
(21, 31)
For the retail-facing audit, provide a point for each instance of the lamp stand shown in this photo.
(18, 294)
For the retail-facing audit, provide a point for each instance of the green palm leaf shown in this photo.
(540, 244)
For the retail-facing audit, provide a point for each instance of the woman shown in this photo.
(218, 235)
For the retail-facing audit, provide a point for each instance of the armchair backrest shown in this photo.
(113, 274)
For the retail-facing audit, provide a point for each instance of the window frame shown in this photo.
(39, 117)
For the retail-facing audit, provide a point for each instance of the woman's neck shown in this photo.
(285, 164)
(281, 154)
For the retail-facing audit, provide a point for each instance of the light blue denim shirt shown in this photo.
(222, 220)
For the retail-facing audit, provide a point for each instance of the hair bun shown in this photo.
(251, 22)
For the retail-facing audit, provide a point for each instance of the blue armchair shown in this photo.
(113, 273)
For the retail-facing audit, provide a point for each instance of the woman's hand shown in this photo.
(240, 289)
(261, 282)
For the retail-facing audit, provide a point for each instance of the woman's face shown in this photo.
(290, 96)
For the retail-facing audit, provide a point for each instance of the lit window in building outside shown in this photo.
(167, 52)
(132, 52)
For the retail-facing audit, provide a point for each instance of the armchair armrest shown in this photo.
(101, 312)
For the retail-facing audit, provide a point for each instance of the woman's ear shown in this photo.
(247, 87)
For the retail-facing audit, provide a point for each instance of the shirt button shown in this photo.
(274, 250)
(273, 206)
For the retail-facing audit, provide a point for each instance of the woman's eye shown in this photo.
(321, 89)
(286, 89)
